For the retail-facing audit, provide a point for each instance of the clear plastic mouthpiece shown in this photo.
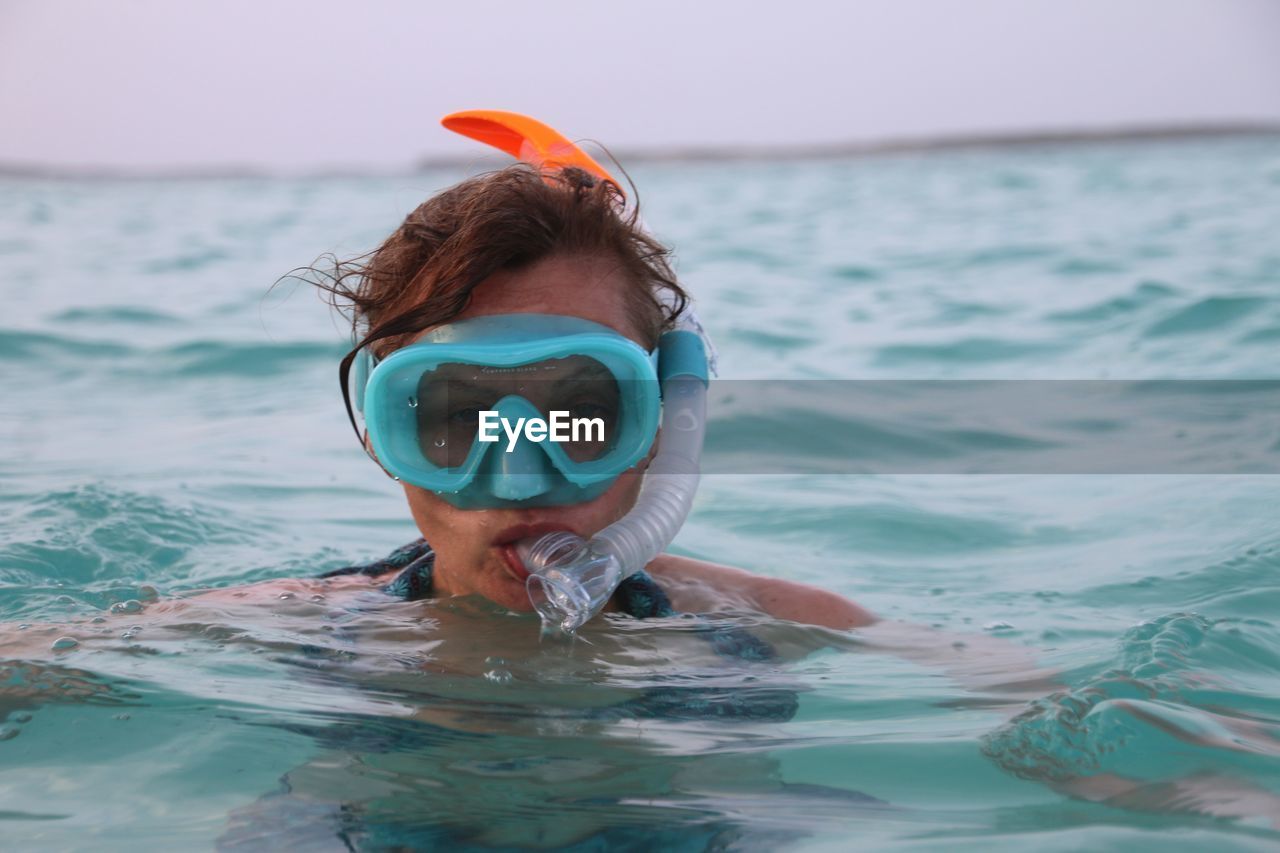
(569, 581)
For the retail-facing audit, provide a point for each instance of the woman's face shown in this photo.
(473, 553)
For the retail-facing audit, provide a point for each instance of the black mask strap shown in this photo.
(344, 376)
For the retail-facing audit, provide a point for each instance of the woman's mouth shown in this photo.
(515, 566)
(505, 544)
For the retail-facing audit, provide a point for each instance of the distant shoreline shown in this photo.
(697, 154)
(910, 145)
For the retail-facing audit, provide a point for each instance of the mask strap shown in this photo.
(344, 377)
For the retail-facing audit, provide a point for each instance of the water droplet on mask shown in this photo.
(413, 402)
(63, 644)
(440, 442)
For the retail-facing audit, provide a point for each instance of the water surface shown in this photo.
(170, 425)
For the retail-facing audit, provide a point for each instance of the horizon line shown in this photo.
(689, 153)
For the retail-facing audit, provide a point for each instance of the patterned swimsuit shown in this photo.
(637, 596)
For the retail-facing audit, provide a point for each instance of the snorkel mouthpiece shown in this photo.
(569, 582)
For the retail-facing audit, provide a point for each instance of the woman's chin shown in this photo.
(511, 594)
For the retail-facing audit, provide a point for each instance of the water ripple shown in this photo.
(22, 345)
(967, 351)
(1207, 315)
(254, 359)
(1143, 718)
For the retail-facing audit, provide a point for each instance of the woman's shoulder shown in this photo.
(698, 586)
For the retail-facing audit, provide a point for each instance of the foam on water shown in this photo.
(172, 425)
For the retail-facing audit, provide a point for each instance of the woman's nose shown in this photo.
(520, 473)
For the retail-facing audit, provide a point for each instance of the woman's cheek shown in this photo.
(430, 508)
(431, 513)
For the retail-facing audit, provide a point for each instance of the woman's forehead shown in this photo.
(588, 286)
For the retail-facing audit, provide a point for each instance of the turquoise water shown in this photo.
(169, 425)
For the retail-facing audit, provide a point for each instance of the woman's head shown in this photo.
(426, 273)
(510, 242)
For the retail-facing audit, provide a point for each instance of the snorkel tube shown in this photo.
(571, 579)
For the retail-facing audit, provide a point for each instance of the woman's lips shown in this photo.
(505, 543)
(515, 566)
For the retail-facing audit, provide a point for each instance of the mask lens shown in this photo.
(451, 397)
(449, 403)
(593, 402)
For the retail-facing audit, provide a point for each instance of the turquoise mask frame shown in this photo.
(530, 473)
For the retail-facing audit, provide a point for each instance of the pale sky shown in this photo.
(297, 85)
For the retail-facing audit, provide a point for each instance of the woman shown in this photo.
(527, 243)
(547, 243)
(522, 243)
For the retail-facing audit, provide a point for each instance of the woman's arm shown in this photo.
(697, 586)
(980, 662)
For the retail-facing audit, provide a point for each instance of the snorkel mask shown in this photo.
(535, 410)
(458, 412)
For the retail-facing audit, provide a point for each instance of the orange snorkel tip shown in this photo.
(526, 139)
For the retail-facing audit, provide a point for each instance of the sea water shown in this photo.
(171, 423)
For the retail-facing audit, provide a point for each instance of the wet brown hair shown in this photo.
(424, 273)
